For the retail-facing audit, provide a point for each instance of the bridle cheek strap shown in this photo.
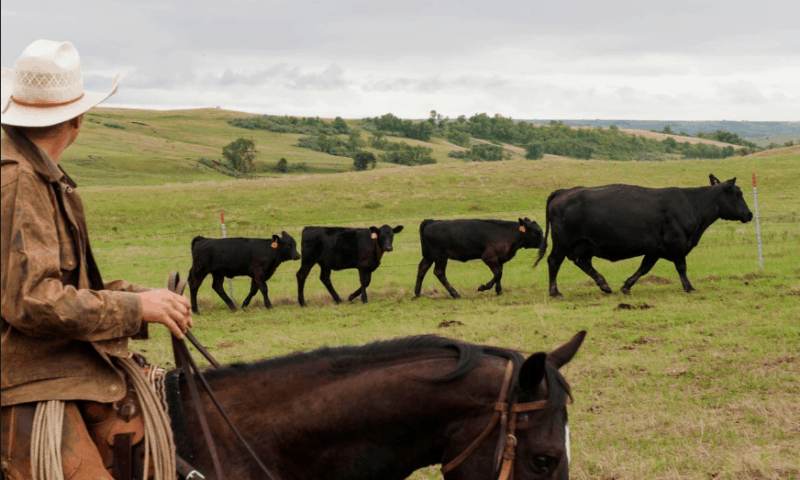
(505, 413)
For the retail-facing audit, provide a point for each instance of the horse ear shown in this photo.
(714, 180)
(532, 372)
(563, 354)
(398, 229)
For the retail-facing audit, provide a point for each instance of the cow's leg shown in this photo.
(196, 277)
(355, 294)
(217, 286)
(680, 266)
(365, 277)
(424, 266)
(554, 261)
(585, 264)
(497, 270)
(439, 271)
(325, 277)
(302, 274)
(253, 290)
(262, 285)
(647, 263)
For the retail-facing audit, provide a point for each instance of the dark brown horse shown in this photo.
(386, 409)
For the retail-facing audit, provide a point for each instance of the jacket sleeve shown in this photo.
(34, 300)
(123, 286)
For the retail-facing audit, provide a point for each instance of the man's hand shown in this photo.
(167, 308)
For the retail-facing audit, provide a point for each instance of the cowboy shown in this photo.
(65, 331)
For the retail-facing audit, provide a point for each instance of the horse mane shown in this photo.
(347, 359)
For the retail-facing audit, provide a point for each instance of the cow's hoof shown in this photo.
(605, 288)
(625, 290)
(482, 288)
(557, 295)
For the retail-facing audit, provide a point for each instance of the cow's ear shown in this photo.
(714, 180)
(276, 238)
(374, 229)
(728, 185)
(521, 221)
(398, 229)
(532, 372)
(284, 234)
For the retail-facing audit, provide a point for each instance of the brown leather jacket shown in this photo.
(61, 324)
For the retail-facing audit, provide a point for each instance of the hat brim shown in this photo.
(24, 115)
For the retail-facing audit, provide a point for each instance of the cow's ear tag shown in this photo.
(374, 236)
(274, 245)
(522, 228)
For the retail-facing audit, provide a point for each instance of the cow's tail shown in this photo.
(543, 248)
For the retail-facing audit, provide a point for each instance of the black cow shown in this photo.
(234, 257)
(337, 248)
(493, 241)
(616, 222)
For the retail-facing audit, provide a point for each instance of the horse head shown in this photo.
(526, 433)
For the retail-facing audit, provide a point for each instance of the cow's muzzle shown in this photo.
(388, 248)
(747, 217)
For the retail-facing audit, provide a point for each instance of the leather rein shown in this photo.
(185, 363)
(505, 413)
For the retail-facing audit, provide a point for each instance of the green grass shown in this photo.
(697, 386)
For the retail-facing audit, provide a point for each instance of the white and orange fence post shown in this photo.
(758, 224)
(230, 281)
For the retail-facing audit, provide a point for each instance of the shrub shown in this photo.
(534, 151)
(282, 166)
(409, 155)
(364, 160)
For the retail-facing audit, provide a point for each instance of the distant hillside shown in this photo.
(148, 147)
(749, 130)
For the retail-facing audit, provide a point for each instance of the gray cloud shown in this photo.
(358, 57)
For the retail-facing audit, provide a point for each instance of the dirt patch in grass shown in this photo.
(451, 323)
(654, 280)
(628, 306)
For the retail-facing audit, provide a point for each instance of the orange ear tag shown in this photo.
(522, 228)
(274, 245)
(374, 236)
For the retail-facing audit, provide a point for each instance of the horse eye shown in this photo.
(541, 463)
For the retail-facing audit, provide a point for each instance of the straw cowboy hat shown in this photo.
(45, 87)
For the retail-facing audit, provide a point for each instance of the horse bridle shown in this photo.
(505, 413)
(185, 363)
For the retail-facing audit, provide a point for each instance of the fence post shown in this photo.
(758, 225)
(230, 281)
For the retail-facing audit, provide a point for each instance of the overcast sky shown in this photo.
(643, 60)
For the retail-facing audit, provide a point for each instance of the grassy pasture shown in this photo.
(696, 386)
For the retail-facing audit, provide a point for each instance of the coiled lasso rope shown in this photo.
(48, 424)
(158, 442)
